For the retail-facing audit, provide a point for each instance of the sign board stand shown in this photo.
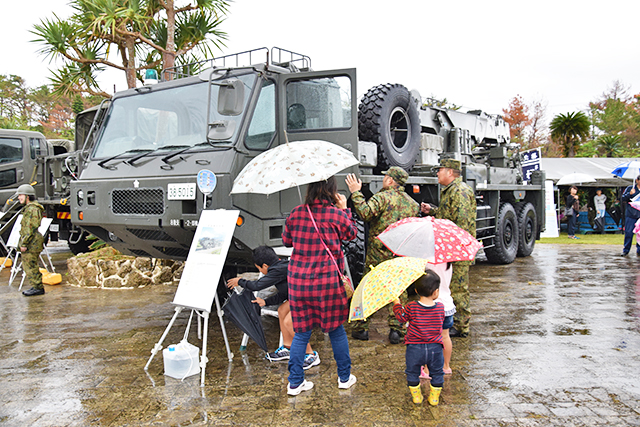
(551, 215)
(205, 261)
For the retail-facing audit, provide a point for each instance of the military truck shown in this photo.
(137, 188)
(27, 157)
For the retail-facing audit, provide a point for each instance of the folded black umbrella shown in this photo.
(246, 315)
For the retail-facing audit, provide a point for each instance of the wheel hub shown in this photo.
(399, 131)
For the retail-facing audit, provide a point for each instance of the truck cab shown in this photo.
(21, 154)
(137, 190)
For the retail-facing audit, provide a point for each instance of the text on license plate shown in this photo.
(181, 191)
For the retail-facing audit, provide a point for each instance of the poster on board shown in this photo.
(208, 252)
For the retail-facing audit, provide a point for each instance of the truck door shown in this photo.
(317, 105)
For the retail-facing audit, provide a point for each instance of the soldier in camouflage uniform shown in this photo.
(31, 241)
(387, 206)
(458, 204)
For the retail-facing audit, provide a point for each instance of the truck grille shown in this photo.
(138, 201)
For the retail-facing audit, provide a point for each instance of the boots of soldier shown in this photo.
(416, 394)
(33, 291)
(434, 395)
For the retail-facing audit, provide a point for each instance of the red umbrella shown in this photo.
(438, 240)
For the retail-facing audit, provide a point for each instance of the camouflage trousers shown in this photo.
(32, 269)
(460, 294)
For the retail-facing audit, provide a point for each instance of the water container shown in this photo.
(181, 360)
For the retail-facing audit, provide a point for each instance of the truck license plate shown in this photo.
(181, 191)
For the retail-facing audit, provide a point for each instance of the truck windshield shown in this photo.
(172, 117)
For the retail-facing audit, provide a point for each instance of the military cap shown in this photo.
(26, 189)
(398, 174)
(449, 163)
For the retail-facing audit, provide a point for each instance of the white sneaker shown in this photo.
(347, 384)
(311, 360)
(305, 386)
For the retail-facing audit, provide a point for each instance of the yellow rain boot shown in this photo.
(416, 394)
(434, 395)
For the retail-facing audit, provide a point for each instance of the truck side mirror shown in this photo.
(231, 97)
(221, 130)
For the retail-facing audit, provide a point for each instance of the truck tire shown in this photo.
(506, 241)
(527, 228)
(354, 252)
(388, 117)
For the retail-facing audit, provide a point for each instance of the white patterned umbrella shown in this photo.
(292, 164)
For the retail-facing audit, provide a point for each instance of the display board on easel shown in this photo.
(14, 237)
(199, 280)
(14, 252)
(201, 277)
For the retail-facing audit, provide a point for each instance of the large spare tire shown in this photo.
(388, 117)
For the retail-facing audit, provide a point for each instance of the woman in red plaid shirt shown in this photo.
(316, 293)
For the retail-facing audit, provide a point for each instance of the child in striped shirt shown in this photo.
(424, 336)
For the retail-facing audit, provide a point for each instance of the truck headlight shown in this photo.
(80, 197)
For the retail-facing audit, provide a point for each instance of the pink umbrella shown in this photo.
(438, 240)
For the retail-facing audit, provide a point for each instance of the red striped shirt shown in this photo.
(425, 323)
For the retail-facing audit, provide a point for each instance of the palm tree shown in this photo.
(145, 34)
(611, 145)
(569, 130)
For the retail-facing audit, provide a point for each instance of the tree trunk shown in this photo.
(169, 57)
(571, 148)
(130, 63)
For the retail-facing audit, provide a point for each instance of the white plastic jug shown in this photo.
(181, 360)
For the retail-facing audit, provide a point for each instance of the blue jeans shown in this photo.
(629, 224)
(424, 354)
(571, 225)
(340, 346)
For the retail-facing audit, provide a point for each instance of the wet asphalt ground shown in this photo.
(555, 341)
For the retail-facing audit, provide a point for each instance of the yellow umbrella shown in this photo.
(383, 284)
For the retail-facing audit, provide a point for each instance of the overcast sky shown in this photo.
(477, 54)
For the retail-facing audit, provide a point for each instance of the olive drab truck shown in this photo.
(137, 187)
(27, 157)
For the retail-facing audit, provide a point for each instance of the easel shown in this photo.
(206, 259)
(13, 252)
(203, 336)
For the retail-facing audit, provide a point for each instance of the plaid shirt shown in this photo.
(316, 293)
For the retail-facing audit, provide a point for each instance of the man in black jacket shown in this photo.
(631, 216)
(274, 271)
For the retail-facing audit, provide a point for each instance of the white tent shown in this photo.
(597, 167)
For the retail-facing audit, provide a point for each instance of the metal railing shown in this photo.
(279, 56)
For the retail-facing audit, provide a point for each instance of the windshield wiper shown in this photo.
(133, 160)
(117, 156)
(177, 153)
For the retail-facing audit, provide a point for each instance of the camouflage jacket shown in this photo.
(30, 237)
(458, 204)
(380, 211)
